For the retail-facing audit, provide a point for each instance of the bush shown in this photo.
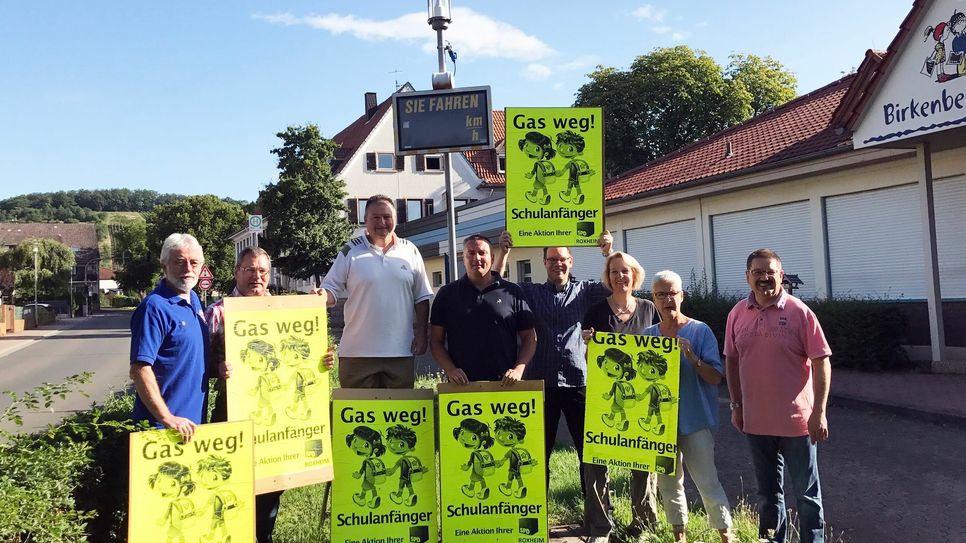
(120, 300)
(68, 483)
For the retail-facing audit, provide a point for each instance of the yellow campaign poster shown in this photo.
(554, 176)
(202, 490)
(384, 489)
(632, 402)
(492, 465)
(275, 345)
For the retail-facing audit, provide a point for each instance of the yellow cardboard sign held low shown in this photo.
(197, 491)
(631, 416)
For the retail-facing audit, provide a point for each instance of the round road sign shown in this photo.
(204, 283)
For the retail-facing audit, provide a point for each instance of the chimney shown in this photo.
(370, 105)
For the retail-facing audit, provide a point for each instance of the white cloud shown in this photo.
(660, 29)
(537, 72)
(679, 36)
(650, 13)
(580, 63)
(472, 34)
(702, 24)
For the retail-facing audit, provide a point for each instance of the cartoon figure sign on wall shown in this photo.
(554, 176)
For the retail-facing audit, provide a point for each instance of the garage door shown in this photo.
(671, 246)
(783, 228)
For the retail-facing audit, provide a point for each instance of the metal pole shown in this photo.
(450, 219)
(447, 175)
(36, 271)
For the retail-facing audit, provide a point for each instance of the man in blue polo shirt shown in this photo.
(169, 340)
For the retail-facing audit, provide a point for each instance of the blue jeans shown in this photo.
(770, 455)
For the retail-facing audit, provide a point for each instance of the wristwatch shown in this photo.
(735, 405)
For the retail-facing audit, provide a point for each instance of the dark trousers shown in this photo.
(266, 511)
(771, 455)
(570, 402)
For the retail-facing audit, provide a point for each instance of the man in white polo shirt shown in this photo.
(387, 293)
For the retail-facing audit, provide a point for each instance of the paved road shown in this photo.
(885, 478)
(99, 344)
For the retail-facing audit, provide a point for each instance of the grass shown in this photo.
(299, 516)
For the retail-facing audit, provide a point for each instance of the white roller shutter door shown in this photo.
(875, 244)
(783, 228)
(671, 246)
(588, 264)
(950, 203)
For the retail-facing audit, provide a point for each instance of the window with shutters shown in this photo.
(385, 162)
(501, 163)
(434, 163)
(361, 210)
(523, 272)
(427, 207)
(437, 279)
(414, 209)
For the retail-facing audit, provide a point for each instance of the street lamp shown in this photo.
(439, 17)
(36, 271)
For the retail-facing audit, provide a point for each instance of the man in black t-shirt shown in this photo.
(477, 320)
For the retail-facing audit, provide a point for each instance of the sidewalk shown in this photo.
(934, 397)
(11, 343)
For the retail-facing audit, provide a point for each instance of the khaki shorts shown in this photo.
(377, 372)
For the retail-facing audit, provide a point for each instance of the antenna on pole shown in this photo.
(395, 81)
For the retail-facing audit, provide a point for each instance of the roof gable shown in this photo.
(918, 86)
(484, 162)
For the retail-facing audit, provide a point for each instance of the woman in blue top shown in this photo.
(701, 372)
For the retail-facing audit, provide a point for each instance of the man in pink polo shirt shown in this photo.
(778, 371)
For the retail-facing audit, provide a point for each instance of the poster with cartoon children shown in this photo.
(385, 466)
(197, 491)
(632, 402)
(276, 346)
(492, 462)
(554, 176)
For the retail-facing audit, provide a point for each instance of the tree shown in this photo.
(668, 98)
(54, 261)
(130, 246)
(305, 209)
(768, 81)
(207, 218)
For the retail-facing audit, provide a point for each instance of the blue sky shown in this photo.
(186, 97)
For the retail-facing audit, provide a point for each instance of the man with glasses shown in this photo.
(252, 274)
(169, 343)
(777, 363)
(560, 361)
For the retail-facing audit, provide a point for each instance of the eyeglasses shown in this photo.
(764, 273)
(669, 294)
(259, 271)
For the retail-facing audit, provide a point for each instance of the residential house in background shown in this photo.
(82, 240)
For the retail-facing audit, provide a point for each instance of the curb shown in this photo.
(934, 417)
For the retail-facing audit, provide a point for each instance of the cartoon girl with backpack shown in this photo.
(173, 480)
(367, 443)
(260, 356)
(540, 149)
(475, 435)
(618, 366)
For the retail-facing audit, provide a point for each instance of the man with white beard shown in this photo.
(169, 340)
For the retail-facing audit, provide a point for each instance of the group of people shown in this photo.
(483, 327)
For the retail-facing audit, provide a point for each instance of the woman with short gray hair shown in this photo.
(701, 371)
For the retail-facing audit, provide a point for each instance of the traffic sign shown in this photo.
(255, 224)
(205, 284)
(205, 273)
